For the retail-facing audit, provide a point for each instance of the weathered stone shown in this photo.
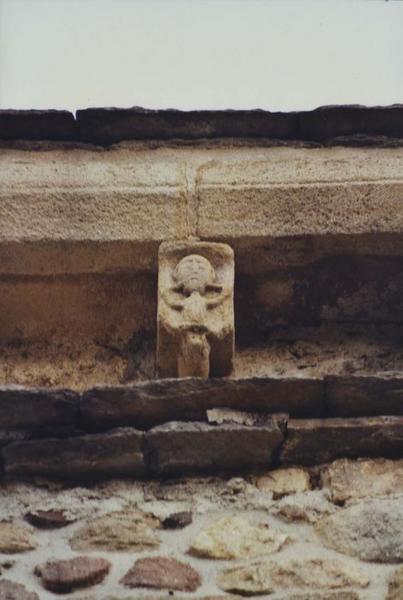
(363, 395)
(15, 539)
(235, 537)
(282, 482)
(195, 309)
(177, 520)
(48, 519)
(308, 506)
(162, 573)
(111, 454)
(22, 408)
(221, 416)
(10, 590)
(121, 531)
(37, 125)
(349, 479)
(150, 403)
(372, 530)
(317, 441)
(199, 447)
(265, 577)
(395, 587)
(339, 595)
(63, 576)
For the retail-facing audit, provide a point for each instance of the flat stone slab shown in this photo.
(177, 447)
(360, 396)
(112, 454)
(22, 407)
(150, 403)
(315, 441)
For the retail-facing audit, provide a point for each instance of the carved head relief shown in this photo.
(194, 273)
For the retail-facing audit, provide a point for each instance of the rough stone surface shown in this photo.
(178, 520)
(162, 573)
(359, 396)
(122, 531)
(114, 453)
(48, 519)
(63, 576)
(235, 537)
(22, 408)
(265, 577)
(14, 539)
(395, 587)
(155, 402)
(349, 480)
(372, 530)
(311, 442)
(282, 482)
(197, 447)
(344, 595)
(308, 506)
(10, 590)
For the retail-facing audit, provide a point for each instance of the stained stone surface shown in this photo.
(364, 395)
(281, 482)
(122, 531)
(63, 576)
(350, 480)
(14, 539)
(395, 587)
(177, 520)
(48, 519)
(117, 453)
(370, 530)
(21, 407)
(265, 577)
(198, 447)
(234, 537)
(11, 590)
(162, 573)
(307, 507)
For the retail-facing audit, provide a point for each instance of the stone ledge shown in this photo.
(110, 125)
(317, 441)
(113, 454)
(357, 396)
(150, 403)
(176, 448)
(29, 408)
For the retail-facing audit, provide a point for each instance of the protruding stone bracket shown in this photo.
(195, 309)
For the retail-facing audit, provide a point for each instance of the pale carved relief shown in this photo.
(195, 310)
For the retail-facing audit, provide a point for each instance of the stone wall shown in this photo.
(332, 532)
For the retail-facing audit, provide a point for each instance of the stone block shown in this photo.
(316, 441)
(150, 403)
(25, 408)
(113, 454)
(36, 125)
(357, 396)
(176, 447)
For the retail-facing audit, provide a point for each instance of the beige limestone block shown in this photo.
(195, 310)
(282, 482)
(234, 537)
(14, 539)
(122, 531)
(351, 480)
(265, 577)
(370, 530)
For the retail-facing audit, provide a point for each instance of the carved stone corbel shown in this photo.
(195, 309)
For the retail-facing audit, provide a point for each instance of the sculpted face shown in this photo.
(194, 273)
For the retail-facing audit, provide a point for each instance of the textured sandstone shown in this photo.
(114, 453)
(349, 480)
(14, 539)
(63, 576)
(395, 588)
(308, 506)
(198, 447)
(162, 573)
(312, 442)
(123, 531)
(265, 577)
(235, 537)
(10, 590)
(155, 402)
(20, 407)
(372, 530)
(282, 482)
